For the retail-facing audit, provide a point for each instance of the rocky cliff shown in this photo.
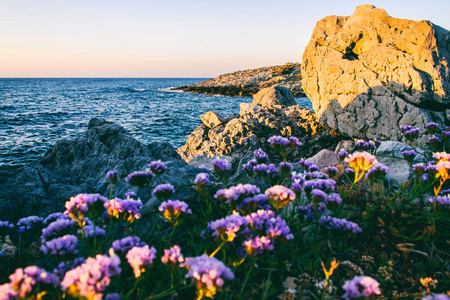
(249, 82)
(369, 73)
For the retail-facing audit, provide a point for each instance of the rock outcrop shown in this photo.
(275, 95)
(80, 166)
(250, 131)
(249, 82)
(212, 119)
(369, 73)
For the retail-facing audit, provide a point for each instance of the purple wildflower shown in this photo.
(221, 166)
(315, 175)
(313, 168)
(342, 155)
(271, 169)
(261, 156)
(58, 228)
(265, 222)
(412, 134)
(258, 245)
(434, 142)
(326, 185)
(208, 273)
(125, 244)
(311, 212)
(278, 140)
(280, 196)
(5, 228)
(140, 178)
(63, 267)
(318, 196)
(330, 171)
(157, 167)
(173, 211)
(377, 172)
(91, 278)
(334, 198)
(445, 135)
(112, 176)
(66, 245)
(89, 232)
(237, 193)
(260, 169)
(83, 204)
(298, 178)
(431, 169)
(365, 146)
(31, 281)
(419, 169)
(359, 287)
(286, 168)
(409, 155)
(251, 204)
(248, 167)
(441, 200)
(294, 142)
(113, 296)
(226, 229)
(405, 128)
(201, 180)
(55, 216)
(297, 188)
(172, 255)
(28, 223)
(130, 195)
(432, 127)
(436, 297)
(339, 224)
(138, 257)
(125, 209)
(163, 191)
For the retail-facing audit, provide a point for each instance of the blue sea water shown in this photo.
(37, 112)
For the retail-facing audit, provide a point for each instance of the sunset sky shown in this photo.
(167, 38)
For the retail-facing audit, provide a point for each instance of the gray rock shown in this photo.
(390, 154)
(275, 95)
(324, 158)
(80, 166)
(203, 161)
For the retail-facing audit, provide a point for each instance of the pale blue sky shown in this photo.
(156, 38)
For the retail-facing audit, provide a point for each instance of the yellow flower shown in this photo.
(333, 267)
(426, 281)
(360, 162)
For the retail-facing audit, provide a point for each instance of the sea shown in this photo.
(37, 112)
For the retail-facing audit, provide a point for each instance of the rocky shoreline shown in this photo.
(249, 82)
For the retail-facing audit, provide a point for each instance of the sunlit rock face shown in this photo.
(369, 73)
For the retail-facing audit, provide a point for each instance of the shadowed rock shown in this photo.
(80, 166)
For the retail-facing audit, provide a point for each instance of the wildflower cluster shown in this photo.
(276, 222)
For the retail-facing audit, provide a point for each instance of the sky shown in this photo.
(170, 38)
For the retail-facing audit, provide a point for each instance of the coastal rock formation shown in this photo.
(80, 166)
(243, 134)
(275, 95)
(212, 119)
(369, 73)
(249, 82)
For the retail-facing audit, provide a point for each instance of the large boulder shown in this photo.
(275, 95)
(80, 166)
(369, 73)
